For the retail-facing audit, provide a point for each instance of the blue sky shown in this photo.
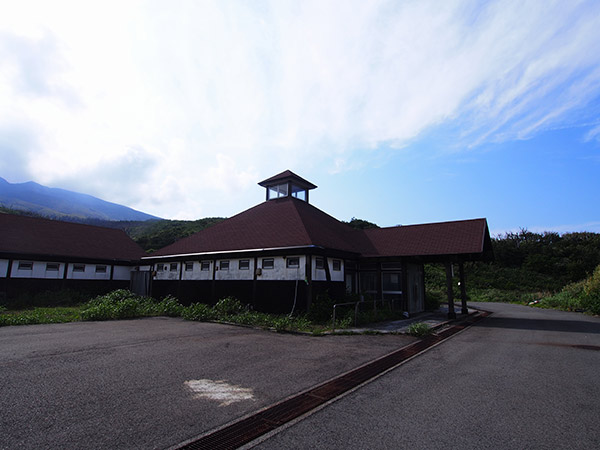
(401, 112)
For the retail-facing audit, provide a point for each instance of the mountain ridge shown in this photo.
(57, 203)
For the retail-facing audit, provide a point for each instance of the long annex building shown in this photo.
(277, 256)
(38, 255)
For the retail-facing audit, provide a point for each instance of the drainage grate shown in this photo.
(250, 428)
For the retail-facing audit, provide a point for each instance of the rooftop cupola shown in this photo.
(287, 184)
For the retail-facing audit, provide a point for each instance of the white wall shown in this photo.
(3, 267)
(167, 273)
(321, 275)
(89, 272)
(279, 272)
(234, 273)
(38, 270)
(197, 273)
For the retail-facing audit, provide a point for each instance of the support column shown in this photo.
(309, 290)
(463, 288)
(451, 313)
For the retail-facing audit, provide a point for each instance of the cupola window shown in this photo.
(287, 184)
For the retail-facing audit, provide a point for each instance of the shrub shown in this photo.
(228, 306)
(169, 306)
(591, 286)
(123, 304)
(419, 329)
(198, 311)
(321, 309)
(433, 299)
(282, 323)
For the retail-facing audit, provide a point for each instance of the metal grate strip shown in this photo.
(250, 428)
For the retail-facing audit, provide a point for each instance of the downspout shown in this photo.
(213, 287)
(308, 282)
(179, 280)
(254, 281)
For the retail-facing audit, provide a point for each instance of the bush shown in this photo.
(419, 329)
(123, 304)
(433, 299)
(169, 306)
(228, 306)
(321, 310)
(198, 311)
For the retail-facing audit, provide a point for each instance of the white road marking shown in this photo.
(220, 391)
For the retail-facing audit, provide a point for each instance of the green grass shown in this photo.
(123, 304)
(40, 315)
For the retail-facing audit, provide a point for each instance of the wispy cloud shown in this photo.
(215, 95)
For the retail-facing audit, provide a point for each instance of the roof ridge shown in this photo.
(427, 224)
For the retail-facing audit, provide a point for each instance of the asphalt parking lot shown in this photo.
(157, 382)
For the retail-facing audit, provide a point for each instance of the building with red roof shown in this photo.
(283, 253)
(40, 254)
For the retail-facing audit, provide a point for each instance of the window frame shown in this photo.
(52, 267)
(270, 263)
(25, 265)
(189, 266)
(100, 268)
(338, 263)
(204, 266)
(224, 264)
(78, 268)
(244, 264)
(290, 259)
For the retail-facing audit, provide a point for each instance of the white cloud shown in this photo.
(169, 107)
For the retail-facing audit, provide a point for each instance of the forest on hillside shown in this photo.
(527, 266)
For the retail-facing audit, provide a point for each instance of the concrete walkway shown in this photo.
(434, 319)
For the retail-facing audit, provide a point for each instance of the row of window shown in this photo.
(54, 267)
(244, 264)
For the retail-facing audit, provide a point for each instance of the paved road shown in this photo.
(523, 378)
(123, 384)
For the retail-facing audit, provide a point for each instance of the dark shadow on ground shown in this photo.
(570, 326)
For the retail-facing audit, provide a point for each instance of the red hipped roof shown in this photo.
(23, 235)
(290, 222)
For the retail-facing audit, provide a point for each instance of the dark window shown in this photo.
(320, 263)
(368, 282)
(52, 267)
(100, 269)
(173, 267)
(189, 266)
(25, 265)
(244, 264)
(337, 264)
(160, 267)
(268, 263)
(293, 262)
(223, 265)
(205, 265)
(391, 282)
(78, 267)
